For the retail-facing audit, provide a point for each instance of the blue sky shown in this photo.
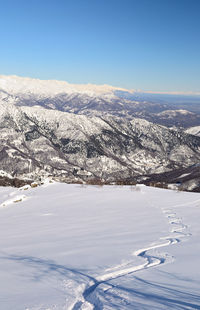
(144, 44)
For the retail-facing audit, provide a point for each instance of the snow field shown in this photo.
(92, 247)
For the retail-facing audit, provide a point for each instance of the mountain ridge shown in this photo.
(98, 100)
(101, 147)
(83, 138)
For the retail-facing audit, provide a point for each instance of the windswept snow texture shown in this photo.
(69, 247)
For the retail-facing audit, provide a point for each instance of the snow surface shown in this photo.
(90, 247)
(173, 113)
(24, 85)
(194, 131)
(5, 174)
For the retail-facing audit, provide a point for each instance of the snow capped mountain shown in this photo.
(94, 100)
(194, 131)
(172, 113)
(19, 85)
(178, 118)
(37, 141)
(74, 133)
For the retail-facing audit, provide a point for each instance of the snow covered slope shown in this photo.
(194, 130)
(95, 100)
(16, 85)
(72, 132)
(178, 118)
(80, 247)
(37, 142)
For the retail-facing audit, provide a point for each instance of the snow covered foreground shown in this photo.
(72, 247)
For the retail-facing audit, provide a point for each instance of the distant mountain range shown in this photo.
(92, 133)
(167, 110)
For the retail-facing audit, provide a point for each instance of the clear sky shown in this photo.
(138, 44)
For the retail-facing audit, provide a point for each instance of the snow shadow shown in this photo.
(145, 295)
(45, 267)
(126, 292)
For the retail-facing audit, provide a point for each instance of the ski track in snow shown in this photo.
(89, 299)
(86, 297)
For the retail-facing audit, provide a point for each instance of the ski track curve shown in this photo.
(89, 299)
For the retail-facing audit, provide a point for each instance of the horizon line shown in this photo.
(131, 90)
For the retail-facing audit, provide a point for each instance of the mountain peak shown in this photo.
(19, 85)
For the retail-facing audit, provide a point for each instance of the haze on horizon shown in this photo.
(147, 45)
